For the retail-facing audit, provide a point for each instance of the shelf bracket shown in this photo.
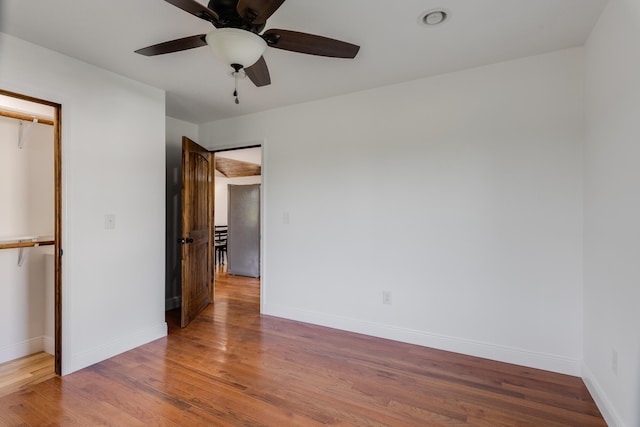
(24, 130)
(23, 253)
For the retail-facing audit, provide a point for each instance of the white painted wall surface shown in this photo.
(26, 107)
(612, 213)
(175, 130)
(113, 142)
(459, 194)
(26, 210)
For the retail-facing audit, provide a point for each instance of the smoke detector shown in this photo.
(433, 17)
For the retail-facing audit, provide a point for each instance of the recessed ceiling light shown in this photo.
(433, 17)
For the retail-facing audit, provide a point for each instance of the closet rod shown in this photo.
(25, 244)
(25, 117)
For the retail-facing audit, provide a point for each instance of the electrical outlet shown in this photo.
(109, 222)
(614, 361)
(386, 297)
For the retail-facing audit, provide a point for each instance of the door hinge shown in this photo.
(60, 252)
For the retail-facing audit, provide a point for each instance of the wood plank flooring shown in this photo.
(18, 374)
(234, 367)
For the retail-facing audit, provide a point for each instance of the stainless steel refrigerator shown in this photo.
(243, 242)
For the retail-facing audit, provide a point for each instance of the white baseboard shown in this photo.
(119, 345)
(21, 349)
(49, 345)
(499, 353)
(173, 302)
(609, 413)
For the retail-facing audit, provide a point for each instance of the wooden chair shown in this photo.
(220, 233)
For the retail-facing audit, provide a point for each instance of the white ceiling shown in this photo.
(394, 47)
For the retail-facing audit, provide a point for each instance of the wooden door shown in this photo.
(197, 228)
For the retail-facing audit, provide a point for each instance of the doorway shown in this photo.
(239, 166)
(237, 209)
(31, 227)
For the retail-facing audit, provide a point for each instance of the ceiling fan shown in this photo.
(238, 41)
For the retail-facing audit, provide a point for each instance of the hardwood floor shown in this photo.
(20, 373)
(234, 367)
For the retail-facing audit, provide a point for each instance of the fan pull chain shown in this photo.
(235, 92)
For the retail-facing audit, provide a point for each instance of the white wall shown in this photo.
(459, 194)
(26, 210)
(113, 142)
(175, 130)
(612, 212)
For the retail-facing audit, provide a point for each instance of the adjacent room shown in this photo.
(447, 211)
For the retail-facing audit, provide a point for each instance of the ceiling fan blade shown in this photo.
(196, 9)
(258, 11)
(174, 45)
(310, 44)
(258, 73)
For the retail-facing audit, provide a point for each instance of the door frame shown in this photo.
(57, 179)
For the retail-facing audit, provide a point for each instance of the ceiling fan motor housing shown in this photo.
(230, 18)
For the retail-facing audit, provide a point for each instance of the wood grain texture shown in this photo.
(25, 117)
(232, 366)
(311, 44)
(171, 46)
(231, 168)
(17, 374)
(17, 245)
(197, 229)
(58, 251)
(259, 75)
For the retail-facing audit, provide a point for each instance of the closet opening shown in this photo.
(30, 234)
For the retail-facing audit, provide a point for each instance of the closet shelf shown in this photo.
(24, 244)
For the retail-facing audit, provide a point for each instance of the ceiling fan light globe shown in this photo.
(235, 46)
